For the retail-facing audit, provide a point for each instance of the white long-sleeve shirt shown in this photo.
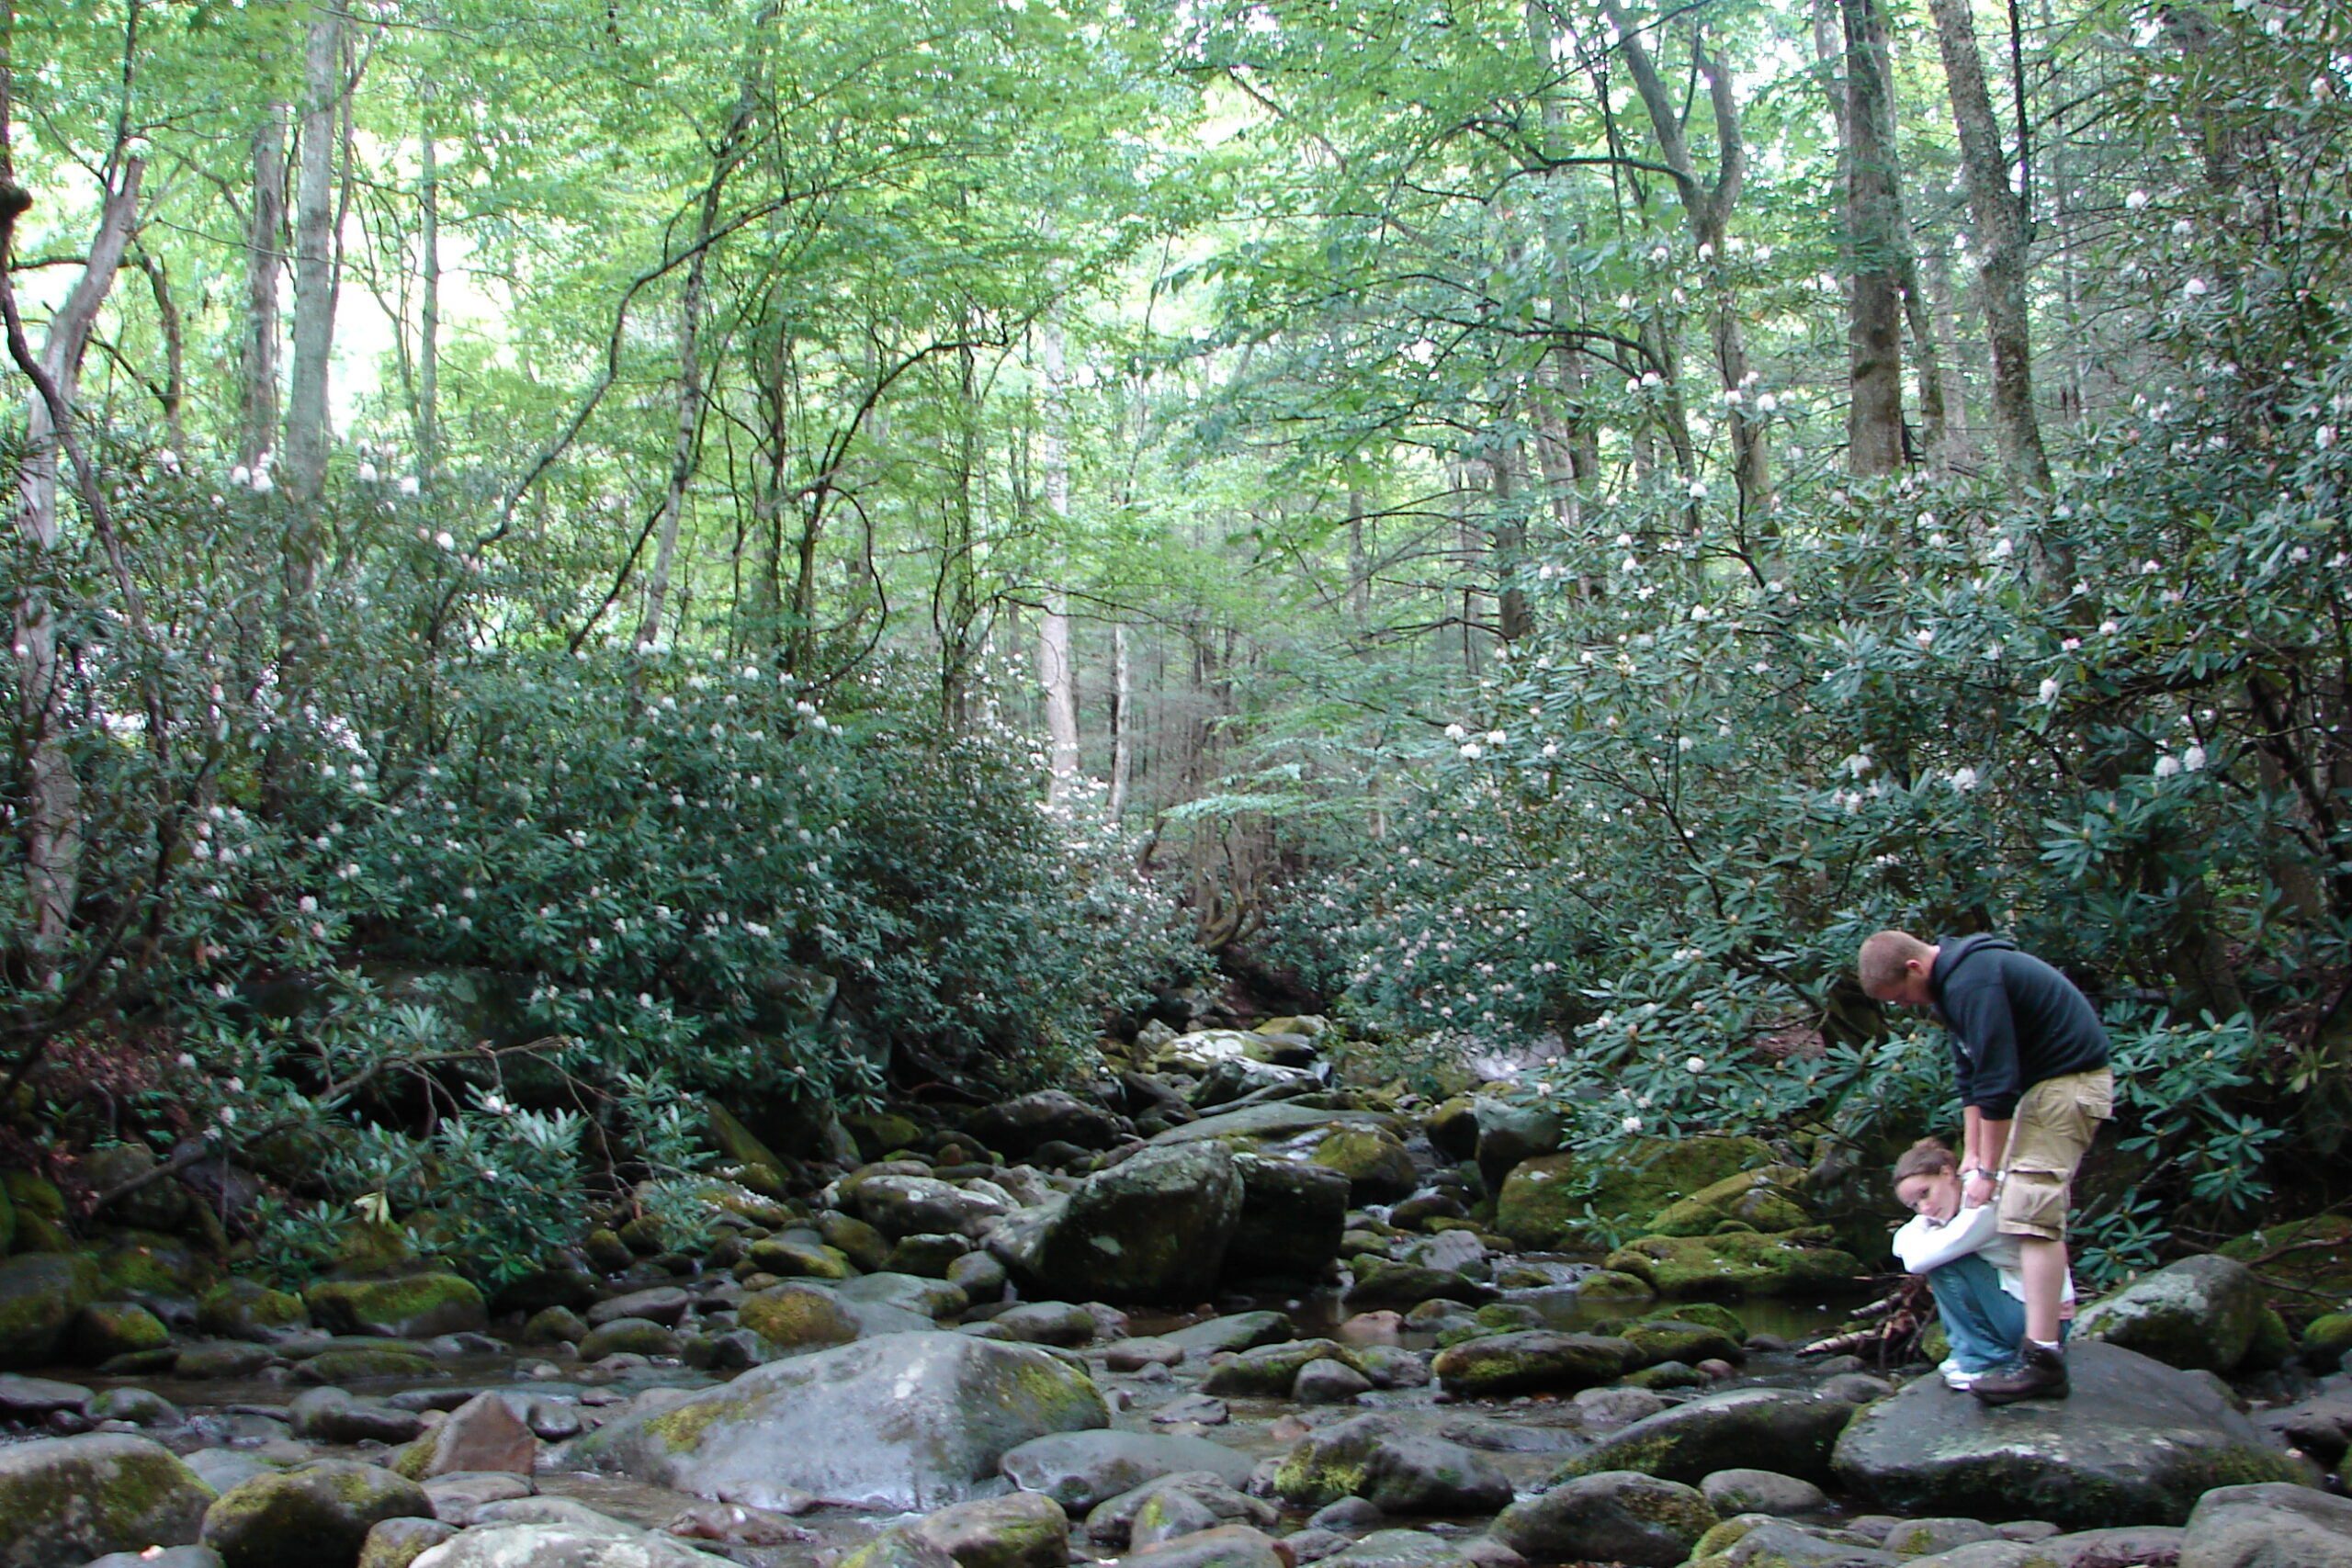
(1924, 1244)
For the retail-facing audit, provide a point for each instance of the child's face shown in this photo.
(1936, 1195)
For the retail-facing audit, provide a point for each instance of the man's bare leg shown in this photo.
(2042, 1269)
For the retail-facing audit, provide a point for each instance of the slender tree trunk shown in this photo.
(1873, 329)
(174, 393)
(1959, 438)
(51, 826)
(428, 349)
(1707, 209)
(314, 279)
(1999, 216)
(1057, 675)
(1121, 722)
(264, 243)
(1359, 563)
(686, 425)
(1514, 620)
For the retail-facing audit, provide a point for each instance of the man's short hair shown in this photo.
(1885, 955)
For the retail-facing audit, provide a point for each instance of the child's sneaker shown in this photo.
(1955, 1378)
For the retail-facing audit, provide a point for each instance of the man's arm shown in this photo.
(1984, 1142)
(1979, 1016)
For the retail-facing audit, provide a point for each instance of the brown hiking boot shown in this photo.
(2041, 1373)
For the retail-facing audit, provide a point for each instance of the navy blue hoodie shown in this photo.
(2014, 1021)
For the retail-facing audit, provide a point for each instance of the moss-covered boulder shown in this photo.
(1154, 1227)
(1795, 1428)
(798, 1317)
(311, 1518)
(358, 1364)
(1765, 1201)
(1537, 1361)
(1544, 1200)
(1027, 1529)
(247, 1309)
(2316, 1253)
(2198, 1313)
(408, 1306)
(107, 1329)
(789, 1259)
(901, 1421)
(1375, 1458)
(1382, 1283)
(2136, 1442)
(1267, 1372)
(2326, 1338)
(40, 1295)
(1622, 1516)
(1739, 1263)
(1079, 1469)
(66, 1500)
(1293, 1216)
(1375, 1164)
(629, 1336)
(753, 1164)
(38, 1211)
(1666, 1339)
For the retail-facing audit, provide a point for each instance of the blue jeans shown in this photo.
(1984, 1322)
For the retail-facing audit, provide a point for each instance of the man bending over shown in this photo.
(2030, 1055)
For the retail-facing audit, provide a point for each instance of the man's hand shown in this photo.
(1976, 1190)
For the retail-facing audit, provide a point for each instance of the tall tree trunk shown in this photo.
(1707, 210)
(1056, 676)
(1514, 620)
(1121, 722)
(1999, 212)
(264, 243)
(173, 395)
(428, 349)
(1873, 326)
(314, 279)
(50, 829)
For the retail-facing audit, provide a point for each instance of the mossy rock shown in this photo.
(2315, 1253)
(143, 1263)
(246, 1309)
(40, 1295)
(108, 1329)
(66, 1500)
(2273, 1344)
(2326, 1337)
(1543, 1201)
(854, 1239)
(1666, 1339)
(798, 1317)
(371, 1251)
(878, 1133)
(629, 1336)
(304, 1519)
(7, 1220)
(1268, 1371)
(757, 1166)
(1613, 1285)
(1741, 1264)
(555, 1326)
(1753, 1200)
(1713, 1314)
(411, 1306)
(1452, 1127)
(342, 1367)
(1496, 1366)
(1375, 1164)
(797, 1259)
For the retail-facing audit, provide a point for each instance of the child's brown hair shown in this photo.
(1929, 1156)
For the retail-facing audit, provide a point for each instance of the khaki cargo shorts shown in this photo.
(2053, 1127)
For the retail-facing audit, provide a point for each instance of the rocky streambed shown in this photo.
(1229, 1319)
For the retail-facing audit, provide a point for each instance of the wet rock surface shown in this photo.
(1220, 1314)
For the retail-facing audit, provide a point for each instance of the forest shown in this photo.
(574, 560)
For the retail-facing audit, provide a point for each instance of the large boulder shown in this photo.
(1373, 1159)
(2202, 1312)
(577, 1543)
(1153, 1227)
(65, 1500)
(1543, 1202)
(1794, 1429)
(1373, 1458)
(246, 1309)
(409, 1306)
(1615, 1516)
(901, 1421)
(2138, 1442)
(2267, 1526)
(1292, 1214)
(1079, 1469)
(900, 1205)
(1736, 1263)
(311, 1517)
(40, 1295)
(1760, 1200)
(1272, 1124)
(1536, 1361)
(1020, 1126)
(1027, 1529)
(1508, 1135)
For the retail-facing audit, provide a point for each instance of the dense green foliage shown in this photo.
(1430, 431)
